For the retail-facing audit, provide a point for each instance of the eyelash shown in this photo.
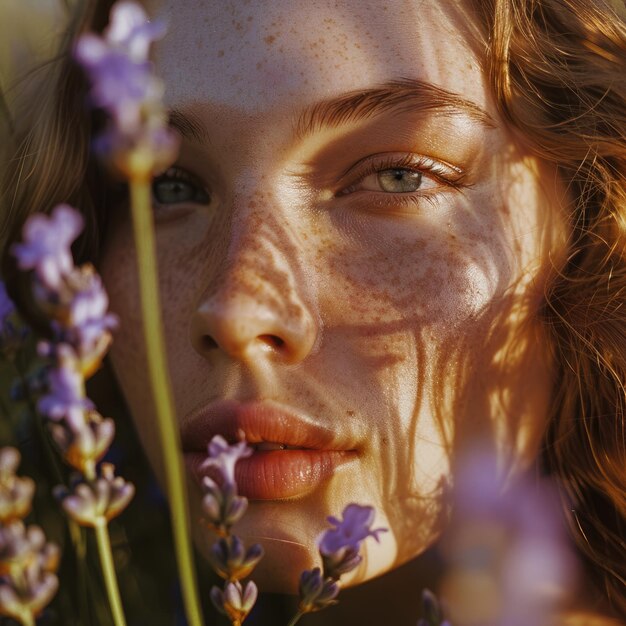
(177, 174)
(447, 175)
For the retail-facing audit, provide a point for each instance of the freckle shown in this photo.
(259, 65)
(269, 39)
(350, 413)
(220, 53)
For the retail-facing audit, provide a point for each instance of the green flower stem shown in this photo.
(28, 619)
(108, 569)
(295, 619)
(141, 206)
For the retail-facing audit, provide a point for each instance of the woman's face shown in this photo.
(352, 249)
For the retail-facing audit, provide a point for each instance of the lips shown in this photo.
(291, 456)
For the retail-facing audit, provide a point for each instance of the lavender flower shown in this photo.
(16, 493)
(224, 457)
(231, 560)
(96, 502)
(66, 398)
(222, 509)
(235, 602)
(222, 506)
(82, 448)
(87, 324)
(316, 592)
(27, 566)
(339, 547)
(12, 334)
(123, 85)
(47, 241)
(27, 561)
(6, 307)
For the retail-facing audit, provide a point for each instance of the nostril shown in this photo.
(208, 343)
(273, 341)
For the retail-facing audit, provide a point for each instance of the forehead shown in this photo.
(272, 55)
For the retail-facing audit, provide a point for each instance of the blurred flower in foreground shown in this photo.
(508, 560)
(137, 140)
(12, 333)
(75, 301)
(46, 245)
(72, 297)
(98, 501)
(16, 494)
(27, 562)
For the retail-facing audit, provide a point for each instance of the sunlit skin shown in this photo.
(376, 273)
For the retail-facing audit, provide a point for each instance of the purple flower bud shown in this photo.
(118, 66)
(66, 398)
(83, 448)
(46, 246)
(234, 602)
(316, 593)
(27, 564)
(6, 307)
(339, 547)
(224, 457)
(16, 493)
(231, 560)
(123, 85)
(90, 504)
(130, 30)
(82, 319)
(432, 611)
(12, 333)
(20, 545)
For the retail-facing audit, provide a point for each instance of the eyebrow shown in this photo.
(405, 95)
(188, 125)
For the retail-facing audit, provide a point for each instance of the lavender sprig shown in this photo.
(27, 562)
(137, 139)
(74, 300)
(138, 143)
(223, 507)
(339, 548)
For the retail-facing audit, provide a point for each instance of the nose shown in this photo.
(256, 306)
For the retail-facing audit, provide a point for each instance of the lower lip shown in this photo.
(278, 474)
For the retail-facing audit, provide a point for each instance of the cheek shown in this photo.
(416, 274)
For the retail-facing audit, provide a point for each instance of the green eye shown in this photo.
(178, 187)
(399, 180)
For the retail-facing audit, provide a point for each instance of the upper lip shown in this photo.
(256, 422)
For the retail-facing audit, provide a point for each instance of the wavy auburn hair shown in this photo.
(558, 72)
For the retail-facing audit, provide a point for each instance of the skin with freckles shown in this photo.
(373, 266)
